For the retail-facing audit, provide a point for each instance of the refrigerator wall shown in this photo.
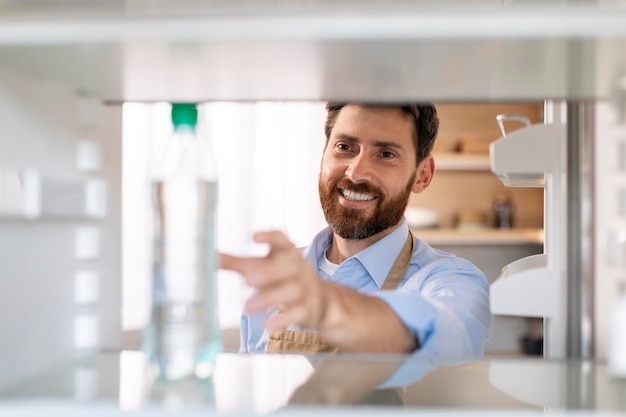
(53, 56)
(60, 258)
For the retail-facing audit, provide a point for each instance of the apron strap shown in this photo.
(400, 266)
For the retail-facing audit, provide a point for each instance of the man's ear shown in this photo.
(425, 173)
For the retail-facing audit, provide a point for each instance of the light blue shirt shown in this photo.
(443, 300)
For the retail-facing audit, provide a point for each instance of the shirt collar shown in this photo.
(377, 259)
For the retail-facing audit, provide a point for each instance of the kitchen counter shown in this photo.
(118, 382)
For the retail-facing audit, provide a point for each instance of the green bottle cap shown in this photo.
(184, 114)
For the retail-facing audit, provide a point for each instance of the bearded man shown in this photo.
(366, 284)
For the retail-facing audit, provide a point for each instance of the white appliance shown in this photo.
(64, 69)
(535, 286)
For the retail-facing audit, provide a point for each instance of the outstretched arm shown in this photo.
(345, 318)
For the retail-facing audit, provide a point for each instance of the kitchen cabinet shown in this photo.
(464, 182)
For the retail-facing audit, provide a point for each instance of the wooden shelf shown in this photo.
(449, 161)
(480, 237)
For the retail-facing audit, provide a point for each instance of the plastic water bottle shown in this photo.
(183, 336)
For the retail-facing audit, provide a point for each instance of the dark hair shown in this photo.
(423, 115)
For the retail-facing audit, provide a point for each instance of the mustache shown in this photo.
(362, 187)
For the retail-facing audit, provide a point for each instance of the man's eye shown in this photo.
(343, 147)
(387, 154)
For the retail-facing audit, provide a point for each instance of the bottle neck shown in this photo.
(185, 129)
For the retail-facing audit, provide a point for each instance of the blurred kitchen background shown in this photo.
(268, 157)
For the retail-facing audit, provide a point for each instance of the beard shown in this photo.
(357, 224)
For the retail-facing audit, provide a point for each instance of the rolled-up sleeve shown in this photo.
(445, 306)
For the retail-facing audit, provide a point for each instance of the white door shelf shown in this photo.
(525, 289)
(535, 286)
(523, 158)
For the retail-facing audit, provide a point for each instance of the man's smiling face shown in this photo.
(368, 171)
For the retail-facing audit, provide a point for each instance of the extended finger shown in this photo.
(267, 271)
(275, 238)
(277, 267)
(249, 267)
(237, 263)
(293, 316)
(287, 293)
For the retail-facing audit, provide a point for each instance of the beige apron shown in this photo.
(312, 342)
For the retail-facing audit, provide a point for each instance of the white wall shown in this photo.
(40, 128)
(268, 157)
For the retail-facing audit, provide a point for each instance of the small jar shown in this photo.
(502, 211)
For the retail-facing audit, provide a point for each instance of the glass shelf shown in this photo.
(114, 384)
(33, 195)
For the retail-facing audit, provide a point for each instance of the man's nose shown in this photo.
(360, 168)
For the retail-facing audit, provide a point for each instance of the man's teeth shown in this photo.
(351, 195)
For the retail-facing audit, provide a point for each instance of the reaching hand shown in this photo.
(284, 278)
(345, 318)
